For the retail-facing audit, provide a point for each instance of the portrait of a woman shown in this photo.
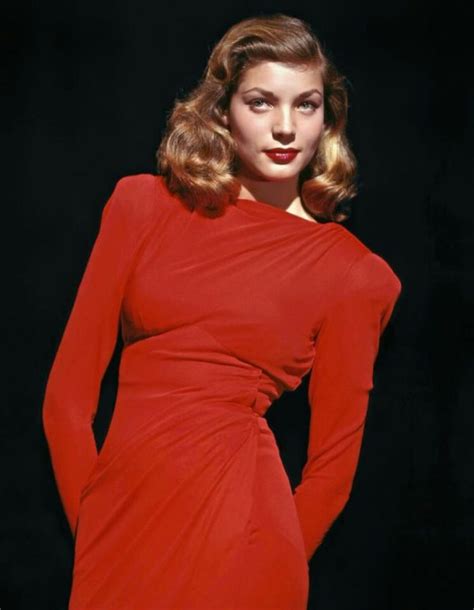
(230, 276)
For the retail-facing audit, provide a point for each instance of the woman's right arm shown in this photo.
(89, 338)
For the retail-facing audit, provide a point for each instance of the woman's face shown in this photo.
(276, 106)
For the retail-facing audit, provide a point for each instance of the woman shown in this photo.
(232, 278)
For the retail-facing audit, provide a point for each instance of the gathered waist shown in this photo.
(188, 365)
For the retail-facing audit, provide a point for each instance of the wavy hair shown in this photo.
(197, 154)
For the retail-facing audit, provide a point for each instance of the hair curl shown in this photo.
(197, 154)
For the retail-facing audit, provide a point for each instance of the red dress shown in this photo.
(188, 506)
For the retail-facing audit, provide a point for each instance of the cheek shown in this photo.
(313, 132)
(246, 127)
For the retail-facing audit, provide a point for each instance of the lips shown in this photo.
(282, 155)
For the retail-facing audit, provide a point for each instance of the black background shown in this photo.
(87, 86)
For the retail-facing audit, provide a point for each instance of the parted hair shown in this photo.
(197, 155)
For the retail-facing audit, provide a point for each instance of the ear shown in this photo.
(225, 118)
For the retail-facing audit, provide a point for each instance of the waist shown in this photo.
(186, 368)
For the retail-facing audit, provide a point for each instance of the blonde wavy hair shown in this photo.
(197, 154)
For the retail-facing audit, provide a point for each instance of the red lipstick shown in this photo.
(282, 155)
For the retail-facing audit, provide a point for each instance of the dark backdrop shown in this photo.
(88, 86)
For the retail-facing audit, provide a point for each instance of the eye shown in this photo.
(252, 103)
(312, 105)
(258, 102)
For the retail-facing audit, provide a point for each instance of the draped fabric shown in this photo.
(188, 506)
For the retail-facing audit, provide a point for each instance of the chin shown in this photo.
(276, 173)
(282, 173)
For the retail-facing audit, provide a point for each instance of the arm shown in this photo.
(340, 382)
(88, 341)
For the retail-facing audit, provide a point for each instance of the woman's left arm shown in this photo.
(340, 382)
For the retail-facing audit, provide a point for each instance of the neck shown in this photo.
(280, 194)
(283, 195)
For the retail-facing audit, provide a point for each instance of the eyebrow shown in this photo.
(271, 94)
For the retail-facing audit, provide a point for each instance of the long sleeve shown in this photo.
(341, 379)
(89, 338)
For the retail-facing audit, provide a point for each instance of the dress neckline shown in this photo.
(265, 207)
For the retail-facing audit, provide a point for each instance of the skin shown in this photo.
(259, 122)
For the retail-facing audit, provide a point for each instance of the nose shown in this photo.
(284, 125)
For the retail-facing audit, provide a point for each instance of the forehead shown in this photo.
(281, 77)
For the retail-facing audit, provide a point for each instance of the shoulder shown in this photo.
(135, 193)
(133, 199)
(371, 278)
(368, 290)
(362, 273)
(361, 270)
(137, 183)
